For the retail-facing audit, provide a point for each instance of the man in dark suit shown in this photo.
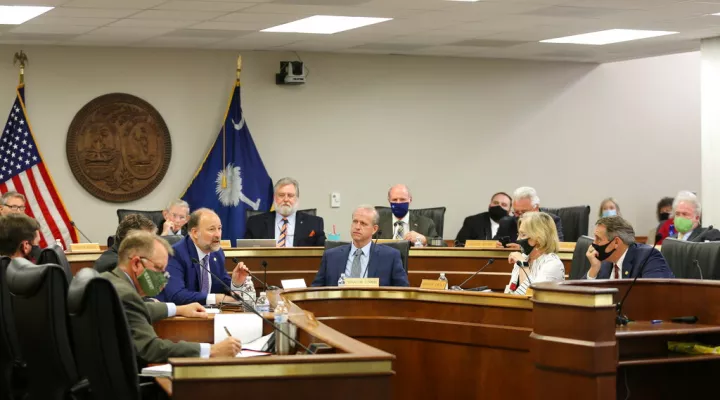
(189, 282)
(362, 258)
(141, 272)
(525, 199)
(109, 258)
(403, 224)
(176, 216)
(484, 226)
(288, 227)
(615, 255)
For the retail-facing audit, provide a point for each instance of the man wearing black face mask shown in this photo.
(19, 236)
(484, 226)
(615, 255)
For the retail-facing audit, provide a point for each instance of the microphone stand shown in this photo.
(620, 318)
(460, 286)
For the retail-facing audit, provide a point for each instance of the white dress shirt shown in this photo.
(364, 259)
(493, 228)
(290, 233)
(546, 268)
(612, 270)
(406, 224)
(685, 236)
(210, 300)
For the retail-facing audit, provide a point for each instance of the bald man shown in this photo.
(401, 224)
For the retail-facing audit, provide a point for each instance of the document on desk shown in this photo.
(157, 370)
(246, 327)
(257, 344)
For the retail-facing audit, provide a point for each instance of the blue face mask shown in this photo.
(399, 210)
(609, 213)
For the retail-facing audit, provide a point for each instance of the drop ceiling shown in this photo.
(483, 29)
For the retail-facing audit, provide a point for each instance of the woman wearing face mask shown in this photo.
(538, 239)
(663, 211)
(609, 208)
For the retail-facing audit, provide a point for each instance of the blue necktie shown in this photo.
(204, 281)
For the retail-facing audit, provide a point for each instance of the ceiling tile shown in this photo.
(49, 20)
(573, 12)
(165, 41)
(202, 6)
(322, 2)
(60, 29)
(138, 4)
(302, 11)
(151, 23)
(487, 43)
(131, 33)
(207, 33)
(49, 3)
(269, 18)
(178, 15)
(91, 12)
(232, 26)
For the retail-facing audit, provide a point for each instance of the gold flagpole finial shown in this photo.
(21, 58)
(239, 67)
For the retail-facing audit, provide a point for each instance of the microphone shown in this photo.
(263, 263)
(621, 319)
(460, 286)
(377, 235)
(81, 232)
(701, 237)
(250, 307)
(264, 283)
(697, 265)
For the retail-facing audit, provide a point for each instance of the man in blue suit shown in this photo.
(615, 255)
(362, 258)
(189, 282)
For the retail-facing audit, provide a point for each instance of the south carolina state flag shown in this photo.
(232, 178)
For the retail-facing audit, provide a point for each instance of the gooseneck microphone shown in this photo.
(249, 306)
(377, 236)
(621, 319)
(262, 282)
(81, 232)
(460, 286)
(696, 263)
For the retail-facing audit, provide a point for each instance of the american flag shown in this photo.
(23, 170)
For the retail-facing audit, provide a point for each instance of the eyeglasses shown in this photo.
(178, 216)
(16, 208)
(285, 195)
(155, 267)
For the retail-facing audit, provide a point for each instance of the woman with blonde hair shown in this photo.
(609, 207)
(538, 239)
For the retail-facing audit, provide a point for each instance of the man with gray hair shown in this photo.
(614, 254)
(362, 258)
(176, 216)
(525, 199)
(286, 225)
(13, 202)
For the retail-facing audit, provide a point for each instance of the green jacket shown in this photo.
(141, 315)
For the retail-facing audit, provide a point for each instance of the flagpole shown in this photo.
(21, 58)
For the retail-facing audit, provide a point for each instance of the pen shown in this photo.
(655, 321)
(229, 335)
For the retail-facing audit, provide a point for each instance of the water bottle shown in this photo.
(418, 242)
(249, 289)
(341, 281)
(262, 305)
(282, 343)
(60, 244)
(443, 278)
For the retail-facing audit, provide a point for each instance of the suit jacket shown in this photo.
(418, 223)
(656, 266)
(509, 228)
(384, 263)
(140, 316)
(108, 260)
(309, 229)
(475, 227)
(183, 287)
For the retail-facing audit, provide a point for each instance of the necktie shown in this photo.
(616, 270)
(283, 233)
(400, 230)
(204, 281)
(355, 270)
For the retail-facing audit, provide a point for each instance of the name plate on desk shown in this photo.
(433, 284)
(77, 247)
(362, 282)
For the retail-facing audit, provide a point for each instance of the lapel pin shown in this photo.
(627, 272)
(214, 259)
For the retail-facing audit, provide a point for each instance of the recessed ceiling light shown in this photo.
(16, 15)
(608, 36)
(325, 24)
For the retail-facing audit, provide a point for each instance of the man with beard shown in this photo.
(288, 227)
(195, 255)
(19, 236)
(484, 226)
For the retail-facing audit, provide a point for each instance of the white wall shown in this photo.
(710, 135)
(464, 128)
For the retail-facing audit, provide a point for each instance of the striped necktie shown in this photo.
(400, 230)
(283, 233)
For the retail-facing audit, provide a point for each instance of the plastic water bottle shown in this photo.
(341, 281)
(262, 305)
(249, 289)
(282, 318)
(60, 244)
(443, 278)
(418, 242)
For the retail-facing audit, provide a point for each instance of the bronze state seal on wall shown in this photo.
(118, 147)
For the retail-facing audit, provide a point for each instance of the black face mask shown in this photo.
(664, 216)
(497, 212)
(525, 246)
(34, 253)
(602, 253)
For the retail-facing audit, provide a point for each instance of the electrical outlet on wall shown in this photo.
(334, 200)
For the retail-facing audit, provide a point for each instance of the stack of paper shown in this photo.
(158, 370)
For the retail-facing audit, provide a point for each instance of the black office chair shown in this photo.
(436, 214)
(54, 254)
(251, 213)
(580, 264)
(11, 364)
(107, 354)
(575, 221)
(402, 246)
(684, 258)
(39, 304)
(155, 216)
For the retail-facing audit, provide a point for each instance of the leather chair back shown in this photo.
(251, 213)
(402, 246)
(580, 264)
(681, 257)
(53, 254)
(107, 354)
(10, 354)
(155, 216)
(436, 214)
(39, 304)
(575, 221)
(172, 239)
